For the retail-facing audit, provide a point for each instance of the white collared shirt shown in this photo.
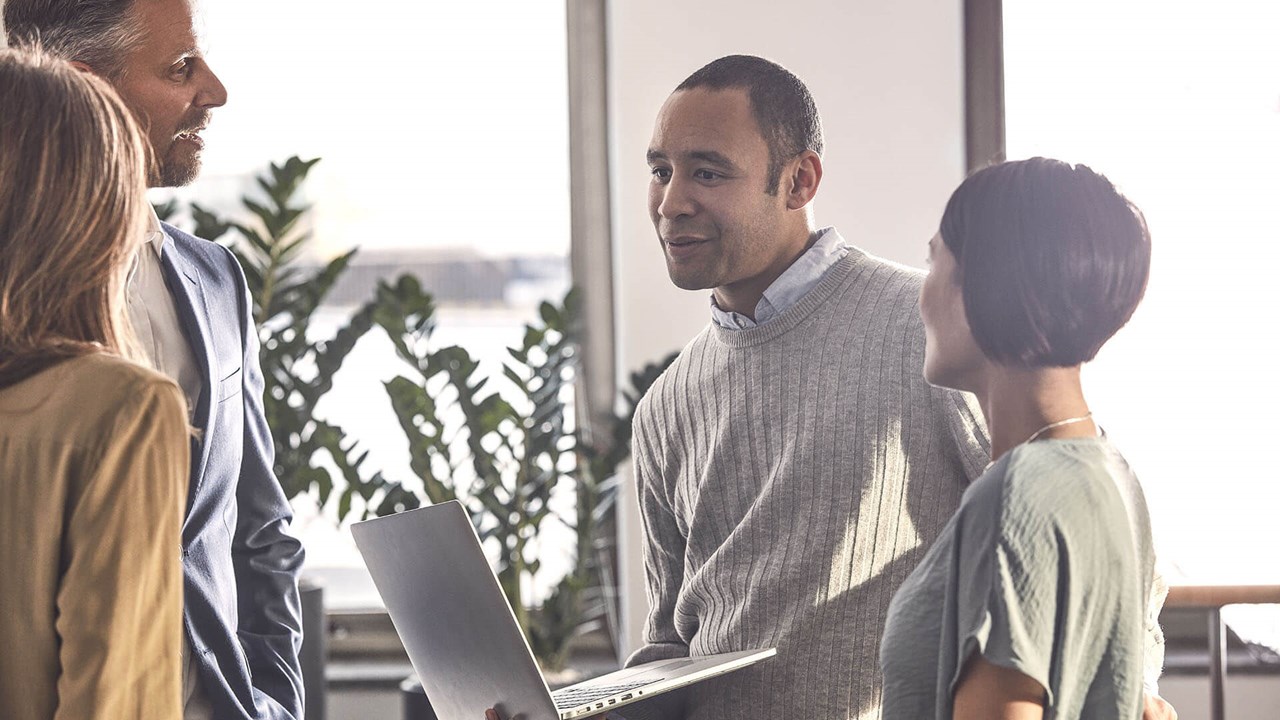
(792, 285)
(155, 317)
(155, 322)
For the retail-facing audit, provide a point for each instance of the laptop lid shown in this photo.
(451, 615)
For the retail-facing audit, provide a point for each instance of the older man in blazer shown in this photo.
(190, 307)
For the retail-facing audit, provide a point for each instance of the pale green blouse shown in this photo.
(1045, 568)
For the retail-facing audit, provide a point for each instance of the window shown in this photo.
(443, 133)
(1179, 104)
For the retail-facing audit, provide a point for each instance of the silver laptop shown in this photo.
(462, 637)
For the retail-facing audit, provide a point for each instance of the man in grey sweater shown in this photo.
(793, 465)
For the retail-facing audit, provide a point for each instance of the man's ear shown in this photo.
(82, 67)
(804, 178)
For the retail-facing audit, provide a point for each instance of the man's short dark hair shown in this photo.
(780, 102)
(98, 33)
(1053, 260)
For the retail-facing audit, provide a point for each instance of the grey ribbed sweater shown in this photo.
(790, 477)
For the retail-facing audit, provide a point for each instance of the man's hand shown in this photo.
(1155, 707)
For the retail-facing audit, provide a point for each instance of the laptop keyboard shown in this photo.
(573, 697)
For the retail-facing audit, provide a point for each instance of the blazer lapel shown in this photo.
(187, 290)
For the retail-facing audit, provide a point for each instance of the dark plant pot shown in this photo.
(315, 652)
(416, 706)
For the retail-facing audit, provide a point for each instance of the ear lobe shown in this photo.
(805, 178)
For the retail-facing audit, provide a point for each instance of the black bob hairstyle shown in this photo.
(1052, 260)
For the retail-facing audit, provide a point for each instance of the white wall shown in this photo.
(888, 81)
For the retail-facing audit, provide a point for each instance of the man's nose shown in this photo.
(676, 200)
(212, 92)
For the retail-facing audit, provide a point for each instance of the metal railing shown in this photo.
(1212, 598)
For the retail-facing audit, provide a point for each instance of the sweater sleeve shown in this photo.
(120, 598)
(664, 576)
(957, 415)
(664, 547)
(968, 431)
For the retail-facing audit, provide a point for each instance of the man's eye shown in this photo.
(707, 175)
(660, 173)
(183, 67)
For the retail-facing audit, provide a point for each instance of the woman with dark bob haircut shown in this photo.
(1033, 602)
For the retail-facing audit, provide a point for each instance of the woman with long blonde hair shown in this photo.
(94, 447)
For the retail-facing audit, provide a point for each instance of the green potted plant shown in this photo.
(504, 460)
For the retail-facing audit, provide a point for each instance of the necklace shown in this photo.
(1053, 425)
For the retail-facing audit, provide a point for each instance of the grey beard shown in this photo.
(176, 173)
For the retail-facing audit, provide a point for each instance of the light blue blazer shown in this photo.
(242, 612)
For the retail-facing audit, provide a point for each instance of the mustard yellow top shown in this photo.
(94, 457)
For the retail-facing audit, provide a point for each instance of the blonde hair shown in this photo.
(73, 212)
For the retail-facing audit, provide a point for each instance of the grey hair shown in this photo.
(98, 33)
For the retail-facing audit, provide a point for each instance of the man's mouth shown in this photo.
(684, 247)
(684, 241)
(191, 136)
